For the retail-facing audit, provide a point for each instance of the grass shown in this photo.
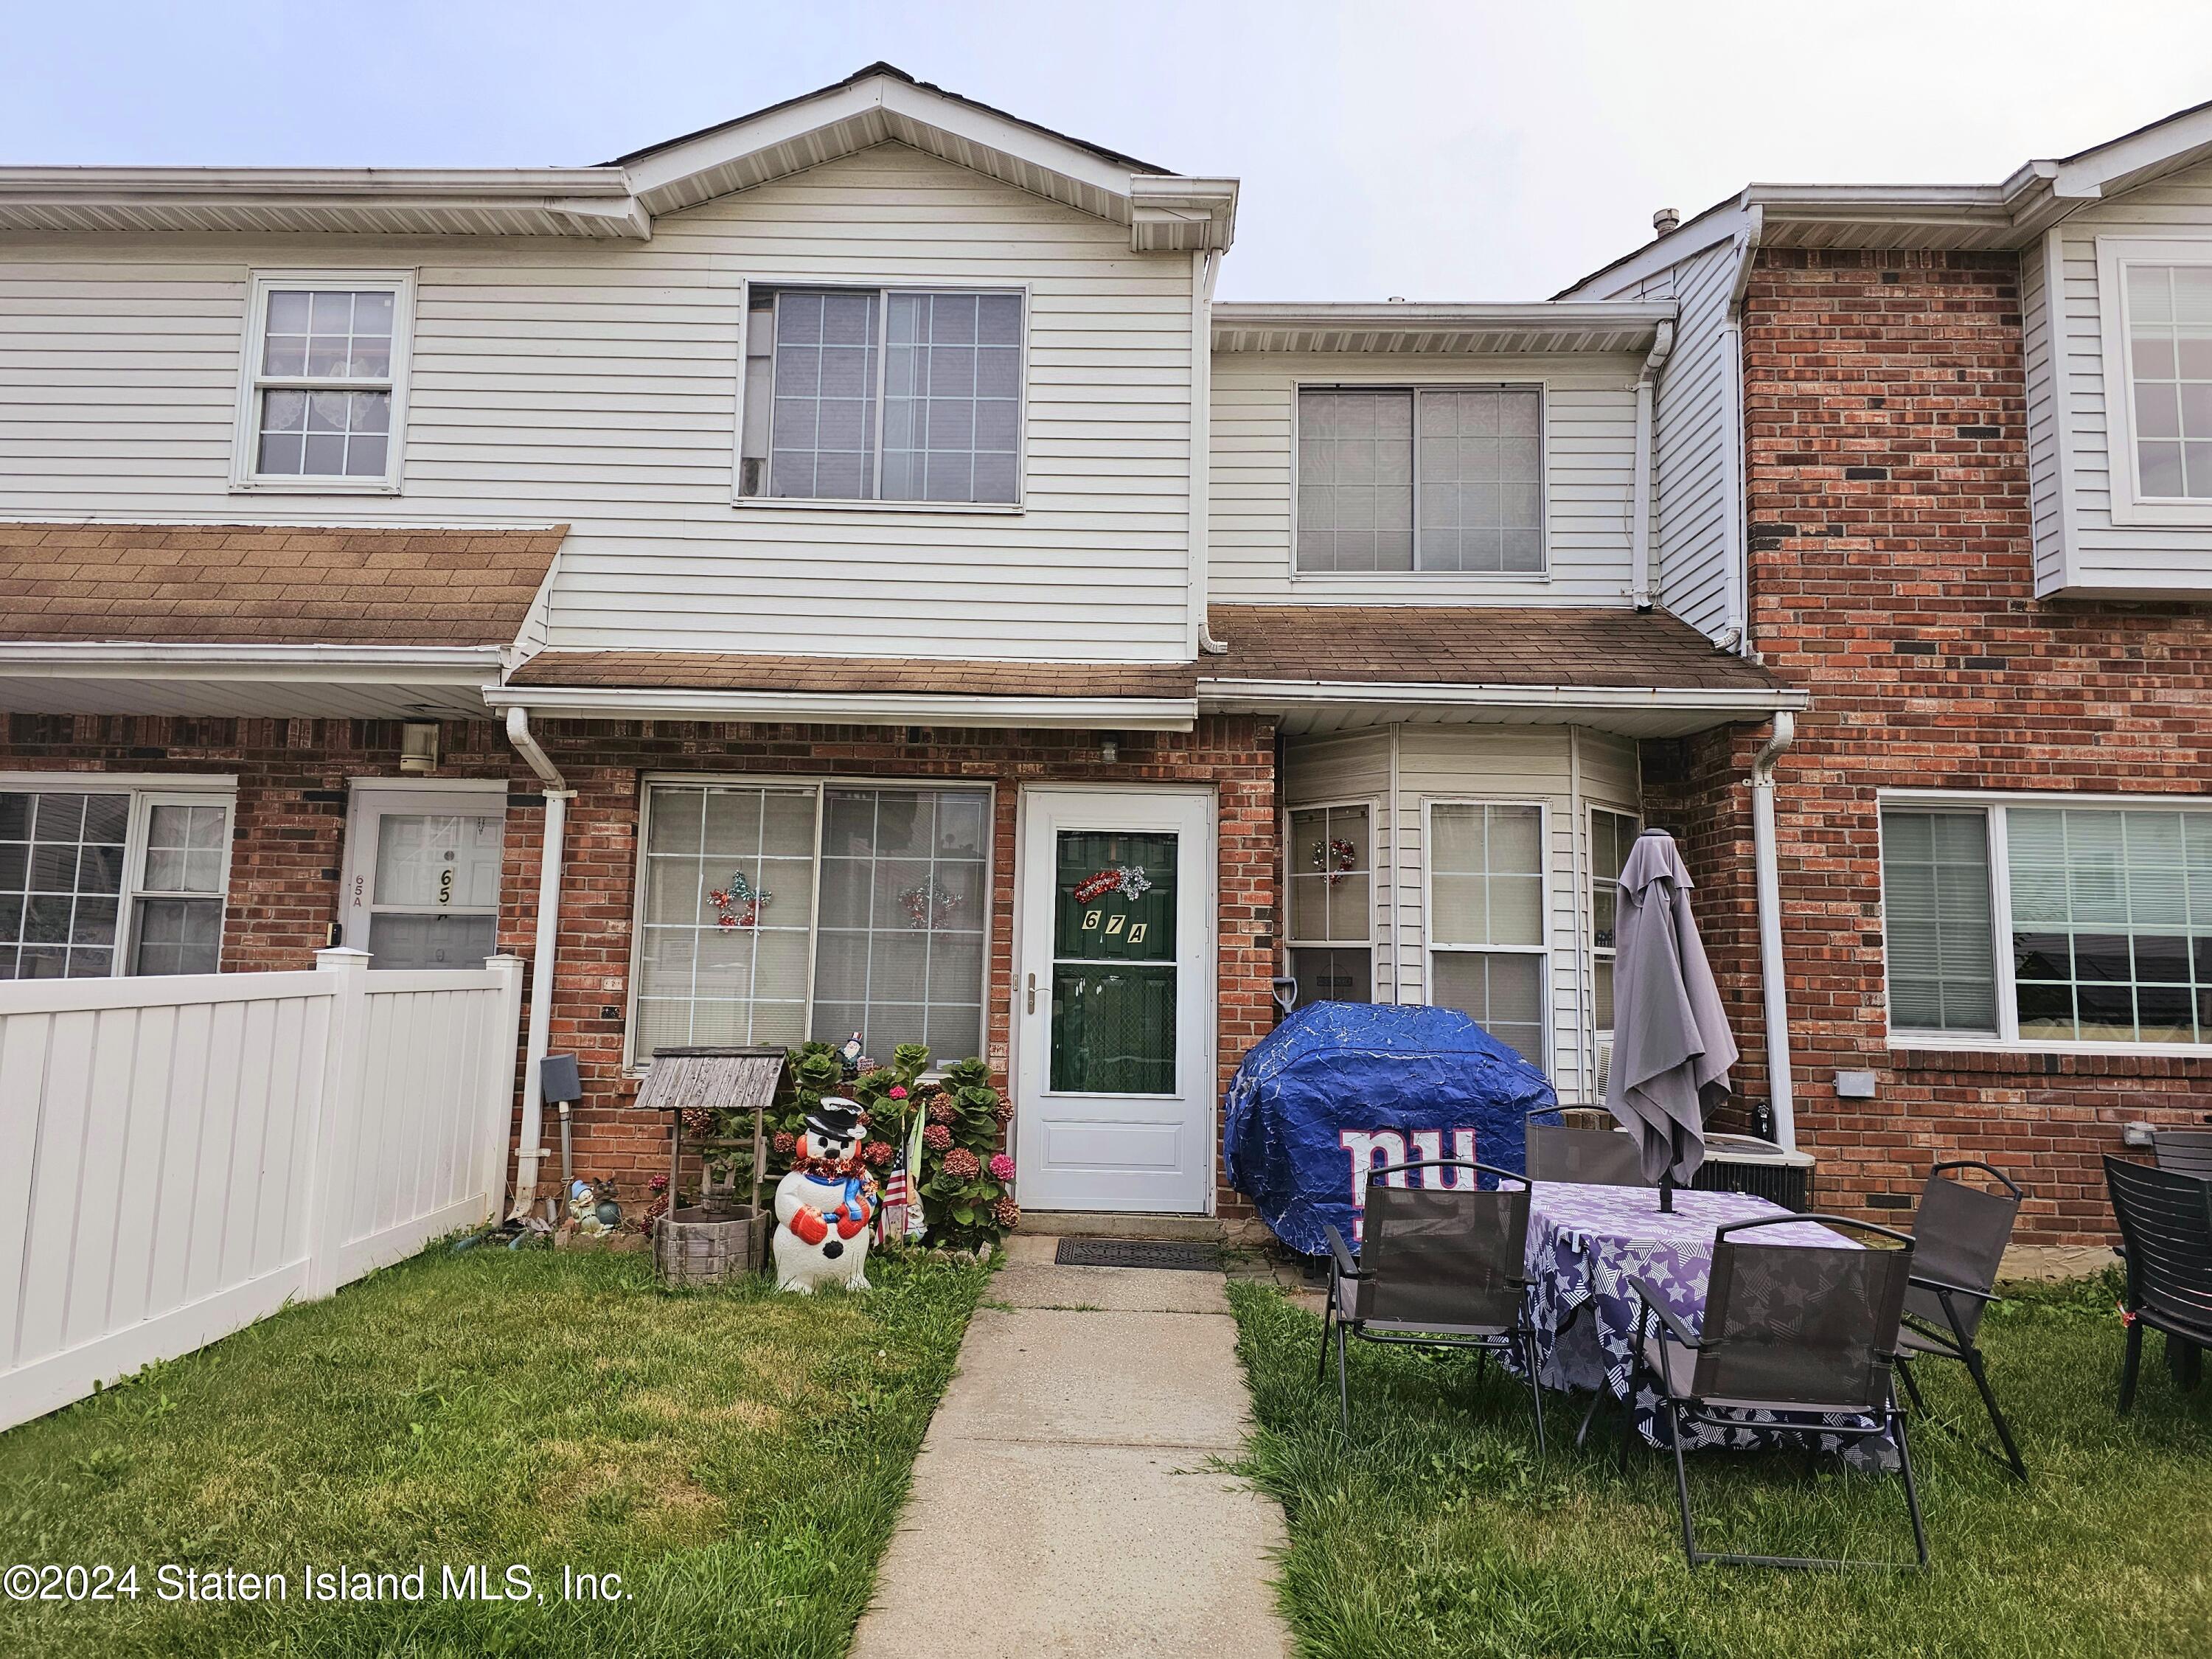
(738, 1457)
(1436, 1531)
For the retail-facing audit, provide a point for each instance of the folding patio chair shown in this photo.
(1959, 1234)
(1439, 1268)
(2166, 1226)
(2184, 1152)
(1594, 1158)
(1802, 1329)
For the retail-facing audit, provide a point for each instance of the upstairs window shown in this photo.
(900, 395)
(2169, 320)
(320, 405)
(1444, 479)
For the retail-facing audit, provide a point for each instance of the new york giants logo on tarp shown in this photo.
(1373, 1149)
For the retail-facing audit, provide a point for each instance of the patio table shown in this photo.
(1585, 1243)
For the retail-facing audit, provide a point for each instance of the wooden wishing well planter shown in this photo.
(718, 1237)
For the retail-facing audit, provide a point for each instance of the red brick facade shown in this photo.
(1885, 408)
(288, 848)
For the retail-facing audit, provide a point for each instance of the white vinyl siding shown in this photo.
(1589, 444)
(597, 385)
(1567, 773)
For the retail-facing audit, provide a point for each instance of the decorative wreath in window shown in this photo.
(1130, 881)
(928, 905)
(1336, 860)
(738, 905)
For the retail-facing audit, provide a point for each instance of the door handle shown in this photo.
(1033, 993)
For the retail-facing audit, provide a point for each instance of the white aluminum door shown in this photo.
(1113, 1000)
(421, 874)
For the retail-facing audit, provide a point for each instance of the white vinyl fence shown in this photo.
(180, 1156)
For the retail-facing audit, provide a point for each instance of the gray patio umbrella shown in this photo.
(1671, 1046)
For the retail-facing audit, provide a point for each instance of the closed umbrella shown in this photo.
(1671, 1046)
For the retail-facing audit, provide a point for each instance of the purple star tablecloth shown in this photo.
(1585, 1243)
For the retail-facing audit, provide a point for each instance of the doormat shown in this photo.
(1136, 1253)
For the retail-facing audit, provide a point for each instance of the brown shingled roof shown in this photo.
(729, 671)
(228, 584)
(1475, 645)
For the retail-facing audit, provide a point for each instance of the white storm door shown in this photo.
(1113, 1000)
(422, 875)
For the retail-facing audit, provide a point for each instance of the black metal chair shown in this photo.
(1959, 1234)
(1594, 1158)
(1801, 1329)
(2166, 1225)
(1438, 1267)
(2184, 1152)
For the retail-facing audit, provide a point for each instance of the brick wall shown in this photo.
(288, 850)
(1885, 425)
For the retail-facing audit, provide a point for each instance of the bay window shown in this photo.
(771, 913)
(2045, 922)
(1486, 952)
(1332, 904)
(100, 878)
(898, 395)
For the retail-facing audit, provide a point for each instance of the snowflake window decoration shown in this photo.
(1130, 881)
(928, 905)
(738, 905)
(1336, 860)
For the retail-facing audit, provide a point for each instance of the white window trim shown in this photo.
(2129, 505)
(246, 433)
(765, 502)
(2007, 1039)
(1547, 996)
(821, 783)
(1431, 582)
(146, 791)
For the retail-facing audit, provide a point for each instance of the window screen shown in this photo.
(823, 429)
(1487, 918)
(323, 384)
(1612, 834)
(2170, 366)
(61, 883)
(1936, 909)
(952, 397)
(180, 898)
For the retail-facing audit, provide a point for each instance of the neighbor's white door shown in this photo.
(421, 874)
(1113, 1000)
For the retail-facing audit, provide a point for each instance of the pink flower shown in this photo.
(659, 1183)
(961, 1163)
(1002, 1167)
(937, 1137)
(899, 1091)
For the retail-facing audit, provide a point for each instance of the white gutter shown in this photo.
(128, 655)
(1734, 539)
(1206, 270)
(1773, 984)
(1257, 696)
(851, 708)
(1639, 528)
(557, 796)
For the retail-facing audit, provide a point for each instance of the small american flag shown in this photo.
(890, 1219)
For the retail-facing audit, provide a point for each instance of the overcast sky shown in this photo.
(1469, 151)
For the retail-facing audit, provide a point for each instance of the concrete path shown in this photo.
(1063, 1503)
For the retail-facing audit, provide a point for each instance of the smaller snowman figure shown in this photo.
(823, 1206)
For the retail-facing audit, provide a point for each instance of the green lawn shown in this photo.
(738, 1457)
(1437, 1532)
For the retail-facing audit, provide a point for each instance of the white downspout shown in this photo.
(1639, 529)
(1773, 983)
(1205, 271)
(557, 796)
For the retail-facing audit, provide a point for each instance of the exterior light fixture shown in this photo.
(418, 746)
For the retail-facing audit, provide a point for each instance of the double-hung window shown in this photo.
(1486, 952)
(101, 878)
(321, 400)
(773, 912)
(1447, 478)
(2046, 922)
(900, 395)
(1332, 904)
(2155, 301)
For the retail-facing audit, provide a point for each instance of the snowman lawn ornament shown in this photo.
(823, 1206)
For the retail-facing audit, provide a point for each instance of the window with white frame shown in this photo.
(1332, 904)
(1486, 952)
(1612, 834)
(96, 881)
(2044, 923)
(2154, 300)
(322, 397)
(883, 395)
(1445, 478)
(770, 913)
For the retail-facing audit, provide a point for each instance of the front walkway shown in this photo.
(1064, 1501)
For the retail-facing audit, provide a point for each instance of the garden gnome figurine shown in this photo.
(823, 1206)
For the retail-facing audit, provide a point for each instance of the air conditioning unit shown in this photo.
(1745, 1164)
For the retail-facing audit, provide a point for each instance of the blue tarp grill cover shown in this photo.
(1340, 1087)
